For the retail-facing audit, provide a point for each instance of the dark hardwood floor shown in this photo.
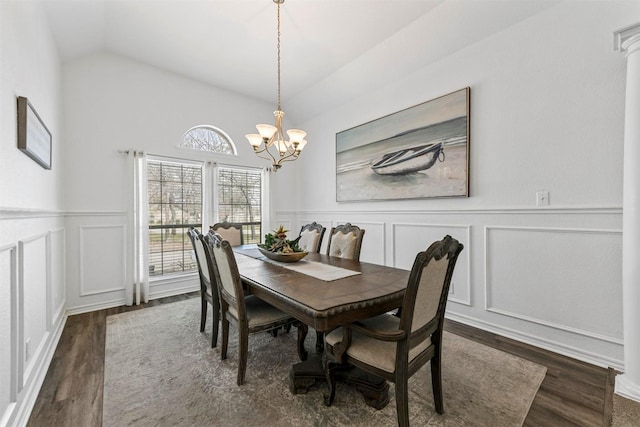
(573, 393)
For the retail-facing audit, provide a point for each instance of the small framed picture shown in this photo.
(34, 139)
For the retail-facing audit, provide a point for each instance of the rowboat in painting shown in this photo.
(408, 160)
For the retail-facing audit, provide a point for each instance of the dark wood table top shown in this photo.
(321, 304)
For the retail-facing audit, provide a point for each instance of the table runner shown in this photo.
(318, 270)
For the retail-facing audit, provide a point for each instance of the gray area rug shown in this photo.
(626, 412)
(161, 371)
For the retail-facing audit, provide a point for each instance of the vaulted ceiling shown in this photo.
(325, 43)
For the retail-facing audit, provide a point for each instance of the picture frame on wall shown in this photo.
(418, 152)
(34, 139)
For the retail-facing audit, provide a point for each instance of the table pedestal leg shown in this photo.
(305, 375)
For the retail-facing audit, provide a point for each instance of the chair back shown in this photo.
(201, 260)
(345, 241)
(230, 231)
(425, 299)
(226, 273)
(311, 237)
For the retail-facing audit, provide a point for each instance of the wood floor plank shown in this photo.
(573, 393)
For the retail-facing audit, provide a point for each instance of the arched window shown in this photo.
(208, 138)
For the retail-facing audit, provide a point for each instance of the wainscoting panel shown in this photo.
(33, 291)
(58, 273)
(410, 239)
(103, 258)
(8, 330)
(566, 279)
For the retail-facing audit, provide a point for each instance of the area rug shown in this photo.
(161, 371)
(626, 412)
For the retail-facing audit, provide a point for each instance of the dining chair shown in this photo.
(249, 312)
(230, 231)
(208, 287)
(393, 347)
(345, 241)
(310, 238)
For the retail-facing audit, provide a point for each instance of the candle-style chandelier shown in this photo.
(269, 143)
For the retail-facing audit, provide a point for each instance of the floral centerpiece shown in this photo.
(277, 247)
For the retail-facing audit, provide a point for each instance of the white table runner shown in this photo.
(315, 269)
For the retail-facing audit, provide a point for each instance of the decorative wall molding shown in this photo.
(531, 319)
(564, 210)
(10, 254)
(8, 213)
(26, 368)
(454, 294)
(534, 340)
(84, 248)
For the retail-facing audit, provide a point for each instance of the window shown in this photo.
(175, 204)
(240, 200)
(208, 138)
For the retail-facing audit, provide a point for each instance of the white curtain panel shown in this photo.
(137, 286)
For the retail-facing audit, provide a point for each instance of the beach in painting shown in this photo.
(355, 180)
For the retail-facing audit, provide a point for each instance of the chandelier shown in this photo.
(269, 143)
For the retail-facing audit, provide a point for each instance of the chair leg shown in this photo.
(225, 338)
(216, 321)
(242, 358)
(402, 402)
(436, 384)
(319, 342)
(203, 313)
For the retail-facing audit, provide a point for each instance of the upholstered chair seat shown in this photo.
(375, 352)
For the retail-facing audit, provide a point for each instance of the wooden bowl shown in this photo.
(282, 257)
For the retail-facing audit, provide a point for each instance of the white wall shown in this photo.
(547, 113)
(113, 103)
(32, 233)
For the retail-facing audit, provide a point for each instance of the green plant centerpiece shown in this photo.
(277, 247)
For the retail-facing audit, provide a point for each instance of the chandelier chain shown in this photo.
(279, 108)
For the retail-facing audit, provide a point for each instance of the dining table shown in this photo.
(324, 292)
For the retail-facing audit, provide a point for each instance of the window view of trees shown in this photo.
(240, 200)
(175, 204)
(208, 138)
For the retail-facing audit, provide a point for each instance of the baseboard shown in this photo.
(173, 292)
(95, 307)
(565, 350)
(28, 396)
(626, 388)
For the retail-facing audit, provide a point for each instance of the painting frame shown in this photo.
(34, 138)
(420, 152)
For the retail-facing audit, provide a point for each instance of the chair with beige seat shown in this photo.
(345, 241)
(230, 231)
(249, 312)
(393, 347)
(208, 287)
(310, 239)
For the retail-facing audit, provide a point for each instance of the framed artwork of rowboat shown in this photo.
(419, 152)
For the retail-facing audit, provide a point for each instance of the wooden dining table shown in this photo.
(325, 303)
